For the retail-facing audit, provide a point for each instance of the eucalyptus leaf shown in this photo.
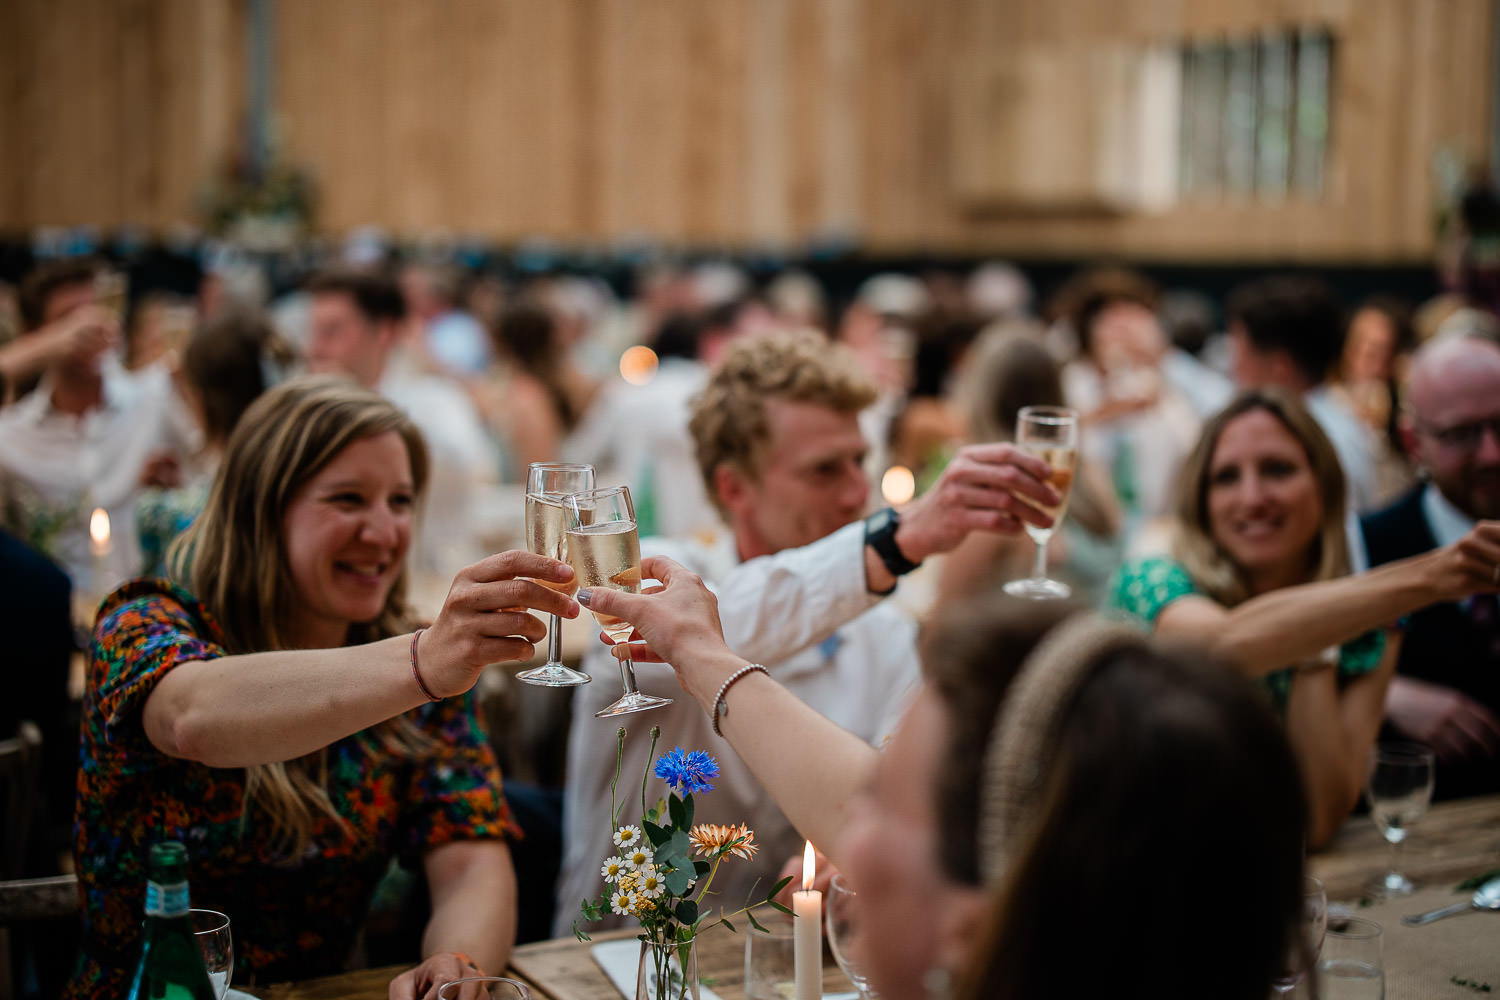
(678, 881)
(656, 834)
(687, 911)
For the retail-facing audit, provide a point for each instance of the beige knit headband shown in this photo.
(1030, 717)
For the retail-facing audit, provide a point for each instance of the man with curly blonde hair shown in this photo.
(800, 579)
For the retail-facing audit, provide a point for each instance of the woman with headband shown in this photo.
(1061, 786)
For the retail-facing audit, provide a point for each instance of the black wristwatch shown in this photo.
(880, 535)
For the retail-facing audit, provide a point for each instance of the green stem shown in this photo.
(646, 773)
(614, 814)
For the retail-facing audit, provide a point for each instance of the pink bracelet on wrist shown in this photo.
(417, 674)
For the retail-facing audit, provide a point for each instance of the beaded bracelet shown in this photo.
(417, 673)
(720, 708)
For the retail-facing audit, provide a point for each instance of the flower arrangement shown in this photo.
(663, 869)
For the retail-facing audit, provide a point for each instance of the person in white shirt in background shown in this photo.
(89, 435)
(454, 341)
(800, 581)
(356, 319)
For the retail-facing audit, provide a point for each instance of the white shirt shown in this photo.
(1353, 441)
(460, 456)
(806, 615)
(55, 468)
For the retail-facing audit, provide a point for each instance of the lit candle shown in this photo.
(100, 548)
(807, 928)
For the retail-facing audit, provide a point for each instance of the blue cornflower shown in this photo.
(687, 772)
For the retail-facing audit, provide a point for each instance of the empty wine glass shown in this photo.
(1399, 788)
(1305, 946)
(548, 485)
(1050, 433)
(211, 931)
(605, 550)
(1352, 966)
(844, 935)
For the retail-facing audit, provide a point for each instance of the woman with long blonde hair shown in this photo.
(274, 710)
(1259, 573)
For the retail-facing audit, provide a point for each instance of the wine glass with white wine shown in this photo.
(1050, 433)
(548, 485)
(1399, 787)
(603, 545)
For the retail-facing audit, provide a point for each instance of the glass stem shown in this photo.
(1039, 567)
(554, 643)
(627, 675)
(1395, 875)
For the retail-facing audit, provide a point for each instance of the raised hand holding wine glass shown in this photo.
(548, 485)
(1050, 433)
(604, 548)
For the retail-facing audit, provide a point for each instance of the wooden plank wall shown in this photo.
(715, 122)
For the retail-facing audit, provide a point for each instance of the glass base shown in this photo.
(632, 703)
(1393, 884)
(554, 675)
(1039, 588)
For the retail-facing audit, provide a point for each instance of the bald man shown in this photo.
(1446, 692)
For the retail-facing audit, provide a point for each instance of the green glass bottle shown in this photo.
(171, 966)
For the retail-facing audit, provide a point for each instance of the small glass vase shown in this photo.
(667, 971)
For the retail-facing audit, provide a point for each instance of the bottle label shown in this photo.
(166, 900)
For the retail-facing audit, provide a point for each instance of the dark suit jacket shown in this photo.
(1441, 644)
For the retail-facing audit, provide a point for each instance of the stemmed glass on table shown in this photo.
(548, 485)
(211, 932)
(1050, 433)
(1303, 949)
(844, 935)
(1399, 788)
(605, 551)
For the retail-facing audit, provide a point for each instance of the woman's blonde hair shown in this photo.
(233, 558)
(1193, 544)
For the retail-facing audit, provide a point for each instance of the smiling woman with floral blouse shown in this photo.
(277, 715)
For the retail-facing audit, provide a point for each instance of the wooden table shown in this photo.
(1454, 841)
(557, 970)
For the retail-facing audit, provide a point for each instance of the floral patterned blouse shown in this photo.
(291, 921)
(1144, 587)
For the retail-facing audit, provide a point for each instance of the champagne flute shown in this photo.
(1399, 787)
(844, 935)
(1050, 433)
(1307, 939)
(605, 550)
(211, 931)
(547, 487)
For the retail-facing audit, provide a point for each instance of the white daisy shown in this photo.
(622, 903)
(612, 869)
(627, 836)
(637, 858)
(649, 883)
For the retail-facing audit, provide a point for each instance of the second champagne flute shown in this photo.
(547, 487)
(1050, 433)
(605, 550)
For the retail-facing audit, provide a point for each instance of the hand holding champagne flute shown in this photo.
(1050, 433)
(604, 549)
(548, 485)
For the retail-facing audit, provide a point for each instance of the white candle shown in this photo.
(807, 928)
(99, 543)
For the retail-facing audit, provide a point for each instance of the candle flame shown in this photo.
(638, 365)
(99, 527)
(808, 866)
(898, 485)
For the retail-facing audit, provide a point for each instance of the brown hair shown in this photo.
(37, 287)
(233, 558)
(1084, 296)
(227, 360)
(375, 295)
(526, 332)
(729, 416)
(1193, 544)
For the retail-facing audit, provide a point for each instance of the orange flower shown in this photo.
(710, 838)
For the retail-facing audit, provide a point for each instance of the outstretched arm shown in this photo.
(775, 733)
(258, 708)
(1285, 626)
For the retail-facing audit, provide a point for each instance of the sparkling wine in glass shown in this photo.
(1050, 433)
(1399, 788)
(844, 935)
(211, 931)
(548, 485)
(1307, 943)
(605, 550)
